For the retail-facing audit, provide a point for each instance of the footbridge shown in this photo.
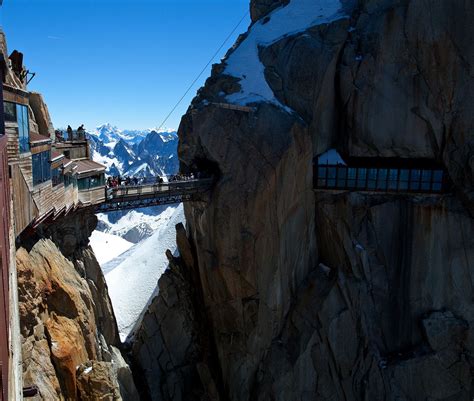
(151, 193)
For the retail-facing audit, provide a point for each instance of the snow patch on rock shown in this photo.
(244, 62)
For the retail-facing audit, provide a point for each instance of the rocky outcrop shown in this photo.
(171, 348)
(41, 113)
(67, 322)
(338, 296)
(260, 8)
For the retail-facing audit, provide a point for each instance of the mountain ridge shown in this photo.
(138, 153)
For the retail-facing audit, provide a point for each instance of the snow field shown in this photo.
(108, 246)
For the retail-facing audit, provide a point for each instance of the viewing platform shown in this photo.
(391, 175)
(151, 193)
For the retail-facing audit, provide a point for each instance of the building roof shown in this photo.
(68, 166)
(56, 155)
(88, 166)
(37, 138)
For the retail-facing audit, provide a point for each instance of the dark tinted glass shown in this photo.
(415, 179)
(393, 179)
(361, 178)
(331, 177)
(372, 178)
(341, 177)
(10, 111)
(23, 128)
(351, 177)
(382, 179)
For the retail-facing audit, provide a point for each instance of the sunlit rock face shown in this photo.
(338, 296)
(68, 327)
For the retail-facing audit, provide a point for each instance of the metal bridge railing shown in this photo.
(130, 196)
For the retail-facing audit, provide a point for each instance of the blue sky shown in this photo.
(126, 62)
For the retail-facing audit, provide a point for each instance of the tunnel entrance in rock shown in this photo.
(203, 166)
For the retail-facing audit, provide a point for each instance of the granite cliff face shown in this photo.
(69, 333)
(329, 296)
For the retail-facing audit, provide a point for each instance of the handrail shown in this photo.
(127, 196)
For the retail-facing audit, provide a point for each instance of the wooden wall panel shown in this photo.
(24, 207)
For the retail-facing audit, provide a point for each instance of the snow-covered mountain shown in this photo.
(135, 153)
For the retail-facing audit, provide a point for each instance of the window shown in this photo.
(362, 178)
(91, 182)
(341, 177)
(415, 176)
(382, 179)
(392, 179)
(18, 113)
(57, 177)
(351, 177)
(331, 176)
(403, 180)
(23, 128)
(322, 171)
(10, 111)
(372, 178)
(41, 167)
(426, 180)
(438, 180)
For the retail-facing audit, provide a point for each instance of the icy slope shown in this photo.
(133, 278)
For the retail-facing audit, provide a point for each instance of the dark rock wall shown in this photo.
(313, 296)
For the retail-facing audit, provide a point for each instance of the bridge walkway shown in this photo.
(153, 194)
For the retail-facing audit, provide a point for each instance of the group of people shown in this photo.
(117, 181)
(71, 135)
(182, 177)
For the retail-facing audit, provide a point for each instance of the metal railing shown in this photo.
(144, 195)
(379, 179)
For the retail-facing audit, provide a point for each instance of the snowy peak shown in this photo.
(135, 153)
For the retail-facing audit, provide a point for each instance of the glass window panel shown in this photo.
(426, 175)
(382, 179)
(415, 179)
(371, 178)
(351, 173)
(404, 174)
(393, 179)
(322, 172)
(437, 186)
(46, 166)
(403, 185)
(83, 184)
(321, 182)
(361, 177)
(438, 175)
(331, 177)
(10, 111)
(341, 177)
(36, 161)
(351, 177)
(426, 180)
(23, 128)
(57, 177)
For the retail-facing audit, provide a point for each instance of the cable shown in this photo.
(202, 72)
